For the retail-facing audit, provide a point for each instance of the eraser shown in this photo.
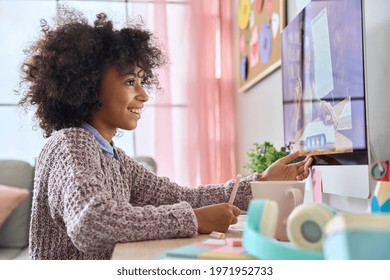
(218, 235)
(234, 242)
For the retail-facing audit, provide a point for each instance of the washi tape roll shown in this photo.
(269, 218)
(379, 170)
(306, 225)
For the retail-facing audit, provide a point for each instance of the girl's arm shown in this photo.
(149, 189)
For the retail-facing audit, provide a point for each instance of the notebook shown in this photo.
(210, 248)
(239, 227)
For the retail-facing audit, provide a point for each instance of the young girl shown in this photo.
(86, 82)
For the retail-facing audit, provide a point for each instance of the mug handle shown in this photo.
(296, 194)
(297, 197)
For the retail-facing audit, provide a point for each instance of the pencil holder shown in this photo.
(381, 199)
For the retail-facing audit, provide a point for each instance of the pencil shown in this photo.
(234, 189)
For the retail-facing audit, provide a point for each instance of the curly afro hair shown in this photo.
(62, 72)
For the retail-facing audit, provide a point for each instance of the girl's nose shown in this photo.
(142, 94)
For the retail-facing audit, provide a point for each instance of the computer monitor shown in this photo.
(324, 93)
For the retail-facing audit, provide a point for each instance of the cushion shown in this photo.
(10, 199)
(148, 162)
(13, 254)
(14, 231)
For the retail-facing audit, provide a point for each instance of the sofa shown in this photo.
(14, 232)
(15, 229)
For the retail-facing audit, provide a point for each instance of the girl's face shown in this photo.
(122, 98)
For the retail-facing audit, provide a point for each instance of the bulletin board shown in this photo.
(260, 23)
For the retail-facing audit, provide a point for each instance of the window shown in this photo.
(20, 140)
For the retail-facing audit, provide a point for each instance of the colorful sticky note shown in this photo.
(226, 252)
(252, 20)
(234, 242)
(265, 42)
(275, 24)
(259, 5)
(317, 186)
(229, 248)
(244, 67)
(244, 14)
(211, 242)
(253, 46)
(242, 43)
(247, 36)
(187, 251)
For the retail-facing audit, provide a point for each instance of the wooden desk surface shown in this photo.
(154, 249)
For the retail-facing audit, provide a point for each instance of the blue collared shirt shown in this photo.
(107, 147)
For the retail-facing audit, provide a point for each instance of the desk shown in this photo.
(154, 249)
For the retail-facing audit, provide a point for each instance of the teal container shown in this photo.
(266, 248)
(358, 244)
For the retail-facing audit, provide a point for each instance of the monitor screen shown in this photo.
(323, 82)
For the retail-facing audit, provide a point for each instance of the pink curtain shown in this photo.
(209, 134)
(211, 138)
(163, 113)
(227, 91)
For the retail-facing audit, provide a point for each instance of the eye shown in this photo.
(130, 83)
(143, 83)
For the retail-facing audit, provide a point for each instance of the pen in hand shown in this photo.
(234, 189)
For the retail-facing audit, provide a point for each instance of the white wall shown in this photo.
(260, 109)
(260, 116)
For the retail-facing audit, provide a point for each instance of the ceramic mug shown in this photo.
(287, 194)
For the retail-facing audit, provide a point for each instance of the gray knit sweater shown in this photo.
(85, 202)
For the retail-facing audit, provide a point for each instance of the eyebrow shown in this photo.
(134, 74)
(129, 74)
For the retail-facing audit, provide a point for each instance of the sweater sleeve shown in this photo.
(95, 221)
(148, 188)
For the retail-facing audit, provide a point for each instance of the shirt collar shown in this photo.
(107, 147)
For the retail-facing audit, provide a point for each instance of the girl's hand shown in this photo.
(216, 217)
(283, 170)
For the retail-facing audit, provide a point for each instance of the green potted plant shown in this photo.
(263, 155)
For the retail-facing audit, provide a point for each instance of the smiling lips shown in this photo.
(136, 111)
